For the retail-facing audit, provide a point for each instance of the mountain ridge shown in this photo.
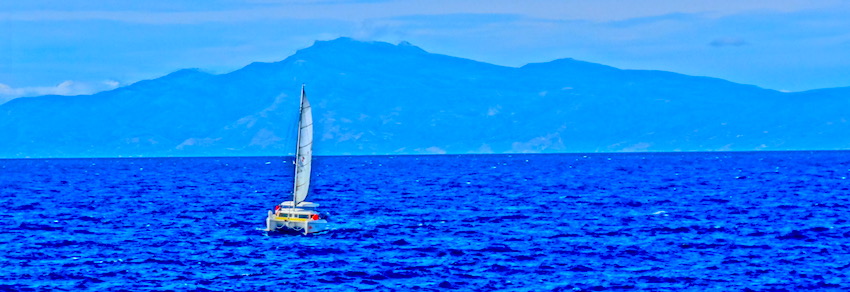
(380, 98)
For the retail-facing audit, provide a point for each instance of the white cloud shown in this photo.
(485, 148)
(111, 83)
(431, 150)
(492, 111)
(68, 87)
(727, 42)
(551, 141)
(639, 147)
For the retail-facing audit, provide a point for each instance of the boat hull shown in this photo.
(274, 223)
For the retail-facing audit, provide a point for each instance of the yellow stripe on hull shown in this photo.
(290, 219)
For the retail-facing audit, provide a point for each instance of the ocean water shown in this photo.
(766, 221)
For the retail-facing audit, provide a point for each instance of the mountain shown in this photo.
(380, 98)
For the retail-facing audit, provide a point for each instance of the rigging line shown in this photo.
(305, 145)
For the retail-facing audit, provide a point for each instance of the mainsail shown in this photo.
(304, 153)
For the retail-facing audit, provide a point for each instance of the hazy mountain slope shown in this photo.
(379, 98)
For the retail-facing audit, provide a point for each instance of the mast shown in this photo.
(298, 147)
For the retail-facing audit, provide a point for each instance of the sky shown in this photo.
(75, 47)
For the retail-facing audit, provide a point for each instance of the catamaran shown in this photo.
(299, 215)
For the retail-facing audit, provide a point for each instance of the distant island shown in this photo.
(375, 98)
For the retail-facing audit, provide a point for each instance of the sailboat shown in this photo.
(299, 215)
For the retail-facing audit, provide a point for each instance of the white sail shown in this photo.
(304, 154)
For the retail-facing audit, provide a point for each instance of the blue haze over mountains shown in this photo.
(380, 98)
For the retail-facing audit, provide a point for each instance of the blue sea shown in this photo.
(762, 221)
